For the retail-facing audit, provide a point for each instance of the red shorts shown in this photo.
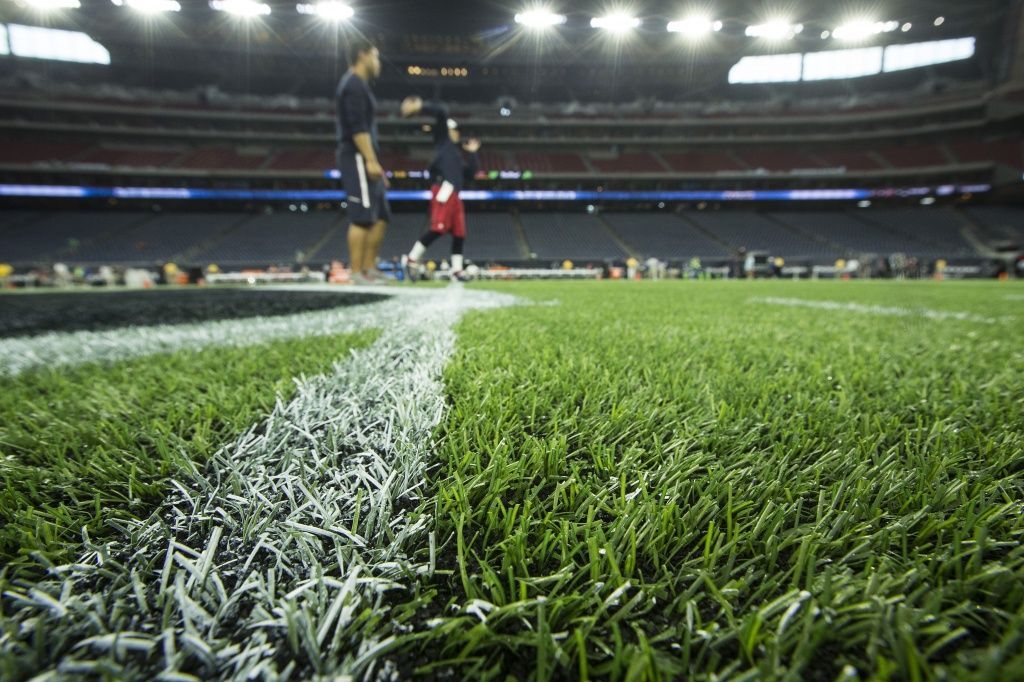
(449, 216)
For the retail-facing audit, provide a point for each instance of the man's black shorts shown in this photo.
(367, 199)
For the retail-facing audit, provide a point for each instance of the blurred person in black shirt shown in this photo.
(449, 172)
(357, 154)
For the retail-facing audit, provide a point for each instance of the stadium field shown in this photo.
(579, 480)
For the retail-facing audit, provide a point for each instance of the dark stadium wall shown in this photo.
(1014, 40)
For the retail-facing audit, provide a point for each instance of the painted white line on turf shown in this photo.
(880, 310)
(273, 562)
(1014, 297)
(57, 349)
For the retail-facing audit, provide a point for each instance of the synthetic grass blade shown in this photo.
(277, 560)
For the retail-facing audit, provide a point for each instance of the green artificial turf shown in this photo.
(636, 481)
(651, 481)
(87, 446)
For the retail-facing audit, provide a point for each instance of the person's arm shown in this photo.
(440, 114)
(364, 143)
(356, 113)
(472, 164)
(414, 106)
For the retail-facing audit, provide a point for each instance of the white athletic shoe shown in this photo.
(377, 277)
(361, 280)
(409, 266)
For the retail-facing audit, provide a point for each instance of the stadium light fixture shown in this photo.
(842, 64)
(39, 42)
(150, 6)
(778, 29)
(540, 18)
(862, 29)
(616, 22)
(775, 68)
(241, 8)
(916, 55)
(329, 10)
(696, 26)
(48, 5)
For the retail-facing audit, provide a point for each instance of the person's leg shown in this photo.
(458, 219)
(381, 218)
(436, 229)
(357, 235)
(458, 243)
(419, 249)
(374, 238)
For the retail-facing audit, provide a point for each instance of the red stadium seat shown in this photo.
(779, 160)
(1005, 150)
(28, 151)
(701, 162)
(550, 163)
(138, 158)
(851, 160)
(221, 158)
(639, 162)
(307, 159)
(915, 156)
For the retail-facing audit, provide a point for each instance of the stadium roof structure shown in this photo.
(273, 46)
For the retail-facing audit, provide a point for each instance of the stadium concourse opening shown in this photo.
(533, 341)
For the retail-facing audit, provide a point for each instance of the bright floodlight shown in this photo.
(694, 27)
(539, 18)
(54, 4)
(915, 55)
(863, 29)
(241, 8)
(773, 68)
(150, 6)
(775, 30)
(617, 22)
(331, 10)
(37, 42)
(841, 64)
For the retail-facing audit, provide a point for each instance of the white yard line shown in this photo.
(266, 564)
(58, 349)
(890, 311)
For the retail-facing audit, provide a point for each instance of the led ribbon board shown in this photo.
(193, 194)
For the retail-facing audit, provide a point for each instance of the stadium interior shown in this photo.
(181, 133)
(772, 430)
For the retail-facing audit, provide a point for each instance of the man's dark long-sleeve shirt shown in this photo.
(448, 163)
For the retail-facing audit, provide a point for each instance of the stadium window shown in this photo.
(776, 68)
(4, 49)
(902, 57)
(47, 43)
(819, 66)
